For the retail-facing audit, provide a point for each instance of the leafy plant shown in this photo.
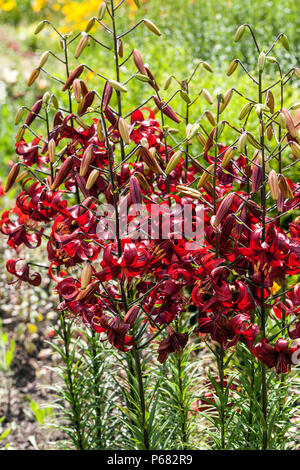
(159, 232)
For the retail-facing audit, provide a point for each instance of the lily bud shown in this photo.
(284, 187)
(54, 101)
(226, 229)
(142, 180)
(219, 129)
(120, 47)
(75, 74)
(227, 157)
(207, 173)
(285, 42)
(281, 120)
(90, 24)
(245, 110)
(257, 174)
(210, 117)
(62, 173)
(33, 112)
(295, 148)
(210, 141)
(297, 72)
(117, 86)
(227, 98)
(82, 44)
(20, 133)
(124, 130)
(77, 90)
(201, 139)
(43, 59)
(87, 157)
(207, 67)
(94, 175)
(51, 150)
(207, 96)
(86, 102)
(242, 142)
(191, 131)
(58, 118)
(269, 132)
(149, 159)
(166, 109)
(239, 33)
(224, 208)
(19, 115)
(271, 102)
(84, 88)
(185, 96)
(81, 123)
(87, 292)
(106, 95)
(169, 79)
(193, 193)
(261, 61)
(22, 175)
(131, 315)
(135, 190)
(86, 275)
(101, 11)
(40, 27)
(142, 78)
(46, 98)
(138, 60)
(273, 184)
(12, 176)
(33, 76)
(251, 139)
(151, 26)
(232, 67)
(100, 134)
(290, 123)
(173, 162)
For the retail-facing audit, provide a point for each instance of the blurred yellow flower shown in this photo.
(38, 5)
(7, 5)
(75, 12)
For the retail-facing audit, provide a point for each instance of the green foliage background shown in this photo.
(192, 30)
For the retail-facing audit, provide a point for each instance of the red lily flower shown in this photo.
(279, 356)
(116, 331)
(174, 342)
(22, 273)
(132, 263)
(17, 234)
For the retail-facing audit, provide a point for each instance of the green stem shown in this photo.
(181, 404)
(96, 386)
(115, 37)
(70, 385)
(221, 373)
(262, 284)
(186, 123)
(142, 396)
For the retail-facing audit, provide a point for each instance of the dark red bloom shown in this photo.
(281, 356)
(173, 343)
(116, 331)
(23, 273)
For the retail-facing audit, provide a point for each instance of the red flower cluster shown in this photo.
(161, 275)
